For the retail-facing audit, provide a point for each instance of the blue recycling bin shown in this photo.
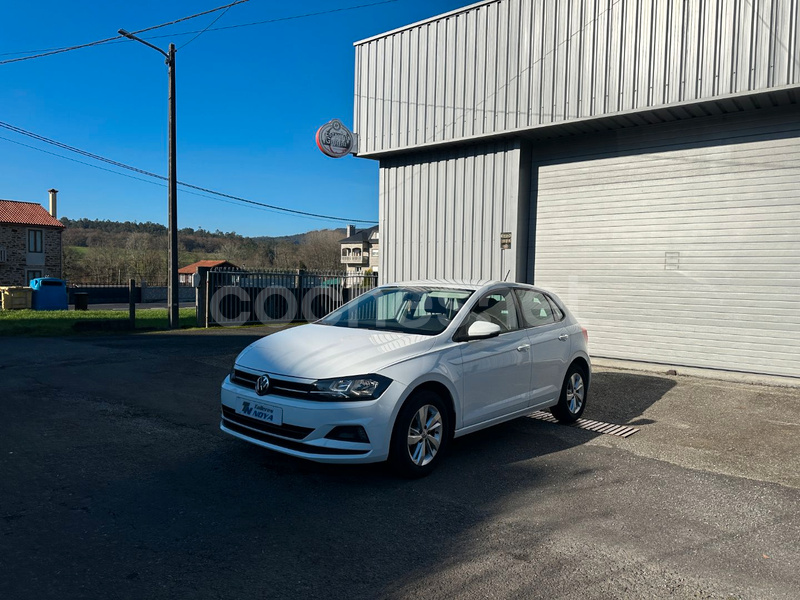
(49, 293)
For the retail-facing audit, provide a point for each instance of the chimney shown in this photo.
(53, 203)
(350, 230)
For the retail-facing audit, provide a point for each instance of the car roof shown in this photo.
(461, 284)
(474, 284)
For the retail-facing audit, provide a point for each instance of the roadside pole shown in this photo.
(173, 296)
(132, 302)
(201, 297)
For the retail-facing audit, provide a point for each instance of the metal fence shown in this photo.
(232, 297)
(102, 293)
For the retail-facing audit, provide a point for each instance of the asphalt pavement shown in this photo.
(115, 482)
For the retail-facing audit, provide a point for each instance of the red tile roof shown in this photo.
(192, 268)
(26, 213)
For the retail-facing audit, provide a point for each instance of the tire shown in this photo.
(417, 448)
(574, 393)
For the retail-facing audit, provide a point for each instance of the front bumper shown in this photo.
(305, 423)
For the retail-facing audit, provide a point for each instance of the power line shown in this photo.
(121, 165)
(117, 37)
(162, 185)
(118, 40)
(280, 19)
(59, 50)
(46, 140)
(206, 12)
(279, 208)
(217, 18)
(75, 160)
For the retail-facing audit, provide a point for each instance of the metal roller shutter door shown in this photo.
(680, 253)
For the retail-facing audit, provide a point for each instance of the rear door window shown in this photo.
(536, 310)
(557, 314)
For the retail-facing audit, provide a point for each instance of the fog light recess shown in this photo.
(348, 433)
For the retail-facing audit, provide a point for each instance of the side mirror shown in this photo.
(480, 330)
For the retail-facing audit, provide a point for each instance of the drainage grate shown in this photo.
(623, 431)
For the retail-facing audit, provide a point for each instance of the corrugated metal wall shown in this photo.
(679, 243)
(515, 64)
(441, 214)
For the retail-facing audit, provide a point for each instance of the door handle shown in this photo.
(563, 337)
(523, 348)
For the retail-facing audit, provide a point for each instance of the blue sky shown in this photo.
(249, 102)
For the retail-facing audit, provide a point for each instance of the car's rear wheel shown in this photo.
(573, 397)
(420, 435)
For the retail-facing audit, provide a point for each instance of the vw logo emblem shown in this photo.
(262, 385)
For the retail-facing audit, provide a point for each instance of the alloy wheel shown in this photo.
(575, 393)
(425, 435)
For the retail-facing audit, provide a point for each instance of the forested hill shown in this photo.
(115, 226)
(82, 232)
(97, 250)
(105, 226)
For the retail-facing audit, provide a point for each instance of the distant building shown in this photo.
(30, 241)
(361, 250)
(185, 273)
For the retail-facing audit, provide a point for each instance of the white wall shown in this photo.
(520, 64)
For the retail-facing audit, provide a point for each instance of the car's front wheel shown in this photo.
(573, 396)
(421, 433)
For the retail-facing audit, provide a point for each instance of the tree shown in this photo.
(105, 264)
(320, 250)
(72, 265)
(284, 256)
(146, 257)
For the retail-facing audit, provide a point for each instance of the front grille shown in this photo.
(290, 431)
(244, 379)
(298, 446)
(277, 387)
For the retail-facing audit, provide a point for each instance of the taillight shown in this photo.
(585, 335)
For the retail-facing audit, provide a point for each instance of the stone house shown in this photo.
(30, 241)
(361, 250)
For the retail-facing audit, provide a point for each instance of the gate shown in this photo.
(231, 297)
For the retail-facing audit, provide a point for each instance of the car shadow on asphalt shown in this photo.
(623, 397)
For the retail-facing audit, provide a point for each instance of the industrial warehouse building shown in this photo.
(639, 158)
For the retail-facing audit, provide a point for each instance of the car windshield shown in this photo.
(420, 310)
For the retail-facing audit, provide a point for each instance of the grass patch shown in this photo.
(156, 318)
(62, 322)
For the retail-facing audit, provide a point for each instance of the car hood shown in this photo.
(324, 351)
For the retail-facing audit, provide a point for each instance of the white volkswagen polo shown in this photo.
(403, 369)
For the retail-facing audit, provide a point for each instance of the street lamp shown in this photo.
(172, 290)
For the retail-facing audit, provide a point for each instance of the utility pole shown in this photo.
(173, 294)
(172, 290)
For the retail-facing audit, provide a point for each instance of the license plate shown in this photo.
(263, 412)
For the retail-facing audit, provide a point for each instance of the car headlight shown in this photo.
(363, 387)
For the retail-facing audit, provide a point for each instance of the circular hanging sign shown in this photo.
(334, 139)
